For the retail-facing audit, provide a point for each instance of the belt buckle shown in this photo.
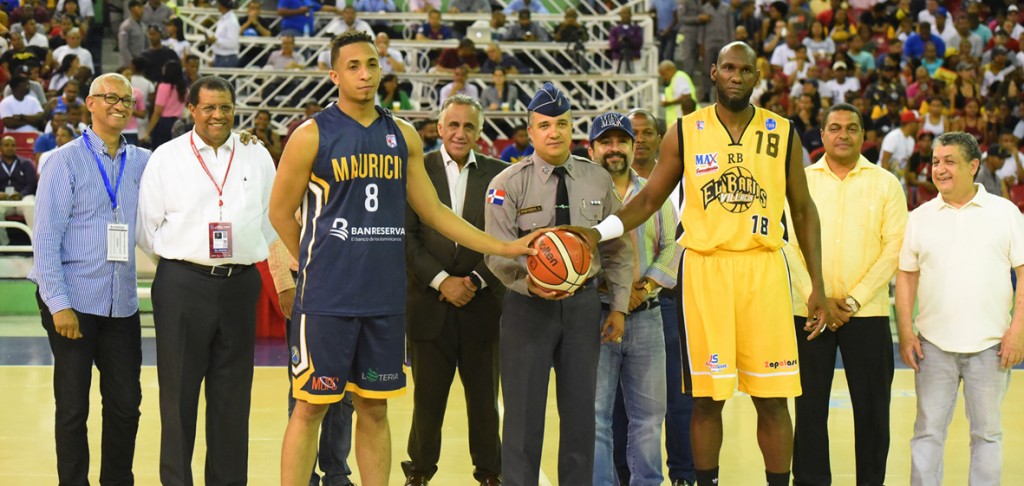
(214, 268)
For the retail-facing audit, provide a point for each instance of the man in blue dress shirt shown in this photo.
(84, 266)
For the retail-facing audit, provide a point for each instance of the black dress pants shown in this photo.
(866, 347)
(205, 331)
(433, 369)
(114, 345)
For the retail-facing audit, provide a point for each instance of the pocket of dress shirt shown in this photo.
(592, 210)
(532, 221)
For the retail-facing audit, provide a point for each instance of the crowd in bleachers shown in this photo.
(911, 65)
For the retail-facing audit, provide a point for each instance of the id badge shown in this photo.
(117, 242)
(220, 240)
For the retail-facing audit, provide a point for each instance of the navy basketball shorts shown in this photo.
(331, 355)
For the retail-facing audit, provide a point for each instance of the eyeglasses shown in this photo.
(209, 109)
(112, 99)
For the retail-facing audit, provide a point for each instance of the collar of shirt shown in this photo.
(822, 165)
(203, 147)
(544, 169)
(100, 147)
(448, 160)
(980, 199)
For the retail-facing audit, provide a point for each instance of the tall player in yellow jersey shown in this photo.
(741, 164)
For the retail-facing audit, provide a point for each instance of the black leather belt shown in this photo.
(645, 305)
(223, 271)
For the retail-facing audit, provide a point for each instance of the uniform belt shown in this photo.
(645, 305)
(223, 271)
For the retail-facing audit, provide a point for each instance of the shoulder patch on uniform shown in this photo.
(531, 209)
(496, 196)
(770, 124)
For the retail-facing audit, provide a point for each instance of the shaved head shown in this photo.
(742, 47)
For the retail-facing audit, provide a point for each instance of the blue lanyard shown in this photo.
(103, 172)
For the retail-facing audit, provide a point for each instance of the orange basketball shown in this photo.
(562, 261)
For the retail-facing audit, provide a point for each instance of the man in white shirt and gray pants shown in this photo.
(958, 250)
(203, 210)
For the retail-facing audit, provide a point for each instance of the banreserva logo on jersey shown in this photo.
(341, 230)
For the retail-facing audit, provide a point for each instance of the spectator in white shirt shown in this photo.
(74, 46)
(285, 57)
(391, 61)
(32, 35)
(786, 51)
(459, 85)
(930, 12)
(1012, 167)
(20, 112)
(836, 88)
(347, 22)
(176, 38)
(224, 43)
(898, 145)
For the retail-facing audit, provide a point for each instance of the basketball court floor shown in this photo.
(27, 450)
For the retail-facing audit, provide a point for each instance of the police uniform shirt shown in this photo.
(522, 198)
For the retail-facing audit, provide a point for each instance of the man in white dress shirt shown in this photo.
(203, 212)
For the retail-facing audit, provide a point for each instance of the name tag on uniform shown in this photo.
(532, 209)
(117, 242)
(220, 240)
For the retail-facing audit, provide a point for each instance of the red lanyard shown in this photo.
(220, 187)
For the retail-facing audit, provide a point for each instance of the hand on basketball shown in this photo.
(286, 299)
(1011, 350)
(910, 351)
(456, 290)
(514, 248)
(543, 293)
(65, 322)
(614, 327)
(590, 235)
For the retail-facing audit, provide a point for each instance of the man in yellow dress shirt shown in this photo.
(863, 216)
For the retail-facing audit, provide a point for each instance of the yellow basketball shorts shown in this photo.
(738, 325)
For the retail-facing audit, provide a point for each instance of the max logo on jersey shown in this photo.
(706, 163)
(391, 140)
(700, 125)
(736, 189)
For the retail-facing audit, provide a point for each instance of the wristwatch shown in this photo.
(850, 301)
(650, 286)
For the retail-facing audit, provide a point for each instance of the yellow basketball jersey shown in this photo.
(735, 192)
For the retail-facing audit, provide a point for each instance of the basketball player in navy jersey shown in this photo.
(352, 167)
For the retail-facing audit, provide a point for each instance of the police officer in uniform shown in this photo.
(542, 329)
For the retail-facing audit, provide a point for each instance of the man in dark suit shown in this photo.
(454, 305)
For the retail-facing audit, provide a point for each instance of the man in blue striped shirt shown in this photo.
(84, 246)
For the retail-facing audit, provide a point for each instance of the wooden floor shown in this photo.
(27, 454)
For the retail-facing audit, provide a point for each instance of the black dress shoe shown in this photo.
(417, 480)
(490, 481)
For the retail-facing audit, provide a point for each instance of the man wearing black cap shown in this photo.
(638, 363)
(740, 164)
(541, 329)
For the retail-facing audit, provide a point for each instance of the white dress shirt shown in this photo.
(227, 32)
(178, 201)
(457, 178)
(964, 256)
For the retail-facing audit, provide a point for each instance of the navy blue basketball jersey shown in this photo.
(352, 245)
